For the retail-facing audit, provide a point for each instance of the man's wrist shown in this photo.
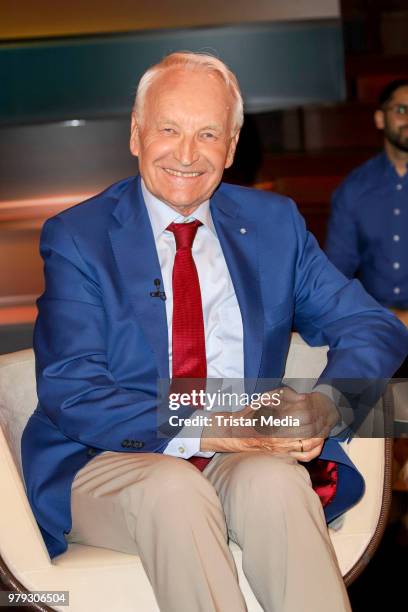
(343, 408)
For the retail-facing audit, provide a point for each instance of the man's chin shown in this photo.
(403, 146)
(399, 143)
(182, 200)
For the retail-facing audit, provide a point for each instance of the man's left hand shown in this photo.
(317, 415)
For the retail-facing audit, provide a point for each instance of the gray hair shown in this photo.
(193, 61)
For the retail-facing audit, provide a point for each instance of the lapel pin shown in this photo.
(243, 230)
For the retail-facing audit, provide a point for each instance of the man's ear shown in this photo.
(231, 149)
(379, 119)
(134, 135)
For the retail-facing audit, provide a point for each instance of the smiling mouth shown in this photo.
(180, 174)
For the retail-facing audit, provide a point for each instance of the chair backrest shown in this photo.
(18, 397)
(18, 400)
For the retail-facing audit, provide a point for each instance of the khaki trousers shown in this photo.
(179, 520)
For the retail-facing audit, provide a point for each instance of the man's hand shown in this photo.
(316, 413)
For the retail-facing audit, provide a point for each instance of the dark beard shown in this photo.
(396, 139)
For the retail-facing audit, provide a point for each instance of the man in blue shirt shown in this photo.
(368, 228)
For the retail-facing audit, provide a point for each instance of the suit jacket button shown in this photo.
(91, 452)
(125, 443)
(137, 444)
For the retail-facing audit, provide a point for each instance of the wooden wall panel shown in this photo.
(341, 126)
(28, 19)
(21, 269)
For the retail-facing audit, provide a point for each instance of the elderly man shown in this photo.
(175, 272)
(368, 226)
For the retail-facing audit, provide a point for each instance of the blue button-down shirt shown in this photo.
(368, 230)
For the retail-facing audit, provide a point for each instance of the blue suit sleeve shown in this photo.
(342, 246)
(365, 340)
(75, 387)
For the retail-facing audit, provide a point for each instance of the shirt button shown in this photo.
(395, 238)
(397, 211)
(181, 449)
(396, 290)
(396, 265)
(399, 187)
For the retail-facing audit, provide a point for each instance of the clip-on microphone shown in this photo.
(158, 293)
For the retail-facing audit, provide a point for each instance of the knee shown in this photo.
(262, 475)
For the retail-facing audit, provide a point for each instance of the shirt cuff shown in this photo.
(184, 446)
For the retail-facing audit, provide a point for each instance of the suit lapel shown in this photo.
(136, 257)
(238, 239)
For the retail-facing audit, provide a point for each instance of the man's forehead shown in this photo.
(172, 95)
(187, 78)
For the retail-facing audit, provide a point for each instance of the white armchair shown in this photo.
(105, 580)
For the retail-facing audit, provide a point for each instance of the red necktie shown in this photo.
(189, 358)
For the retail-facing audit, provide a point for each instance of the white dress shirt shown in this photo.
(222, 317)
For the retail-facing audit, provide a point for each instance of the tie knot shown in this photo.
(184, 233)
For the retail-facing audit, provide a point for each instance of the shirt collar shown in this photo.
(389, 168)
(161, 215)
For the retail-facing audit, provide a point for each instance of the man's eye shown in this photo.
(208, 135)
(169, 130)
(402, 109)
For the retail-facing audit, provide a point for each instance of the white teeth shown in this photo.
(181, 174)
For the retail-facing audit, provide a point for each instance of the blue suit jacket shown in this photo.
(101, 340)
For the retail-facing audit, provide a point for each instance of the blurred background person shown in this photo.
(368, 226)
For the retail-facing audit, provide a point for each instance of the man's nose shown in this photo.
(187, 152)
